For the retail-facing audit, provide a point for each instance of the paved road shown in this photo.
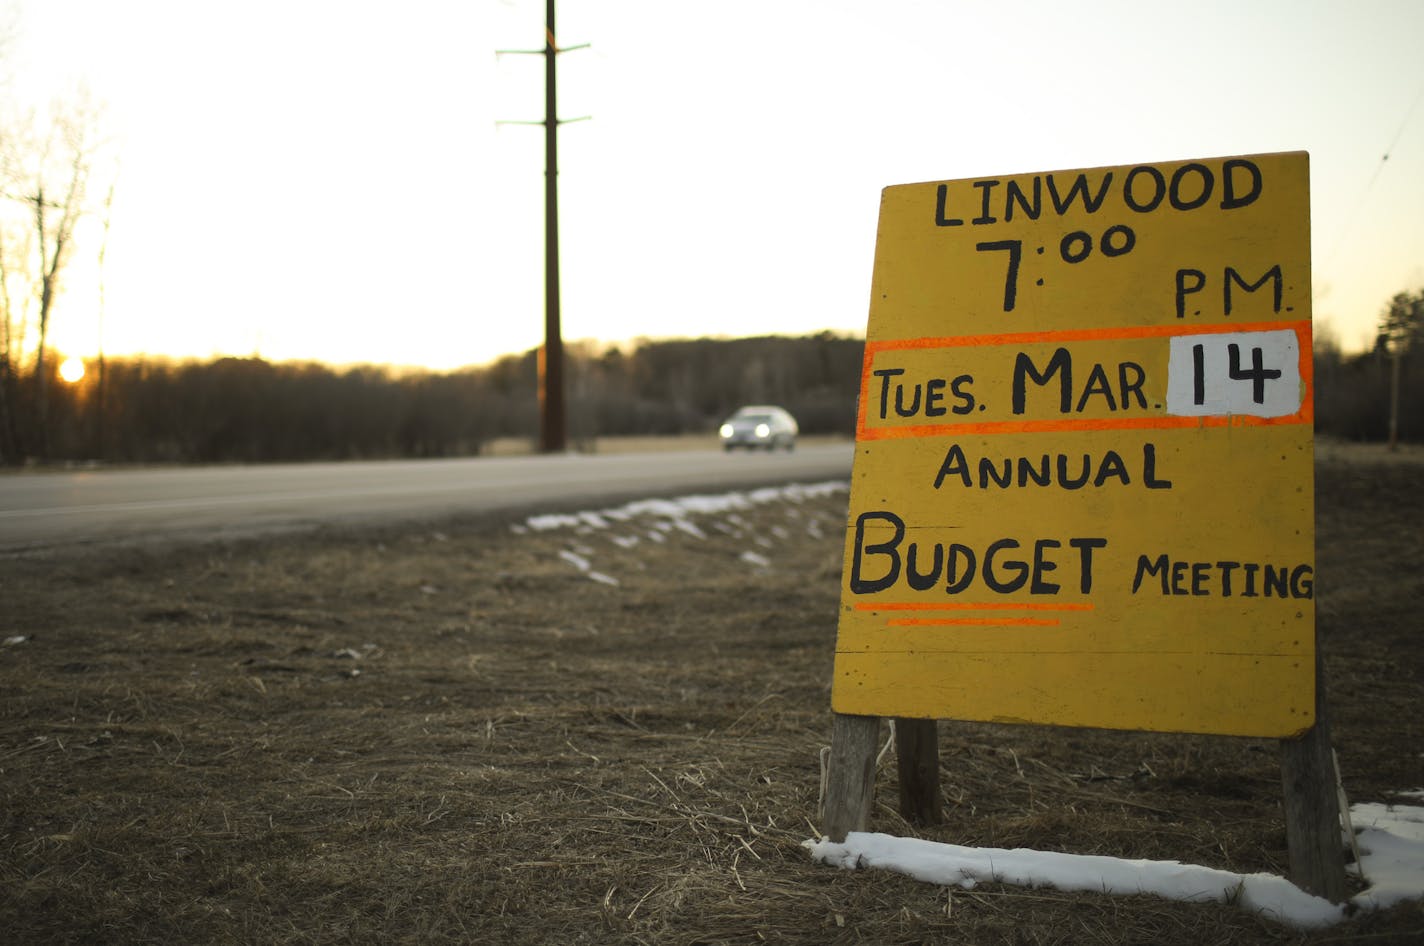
(46, 510)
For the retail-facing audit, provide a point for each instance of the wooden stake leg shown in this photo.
(1312, 806)
(850, 787)
(917, 752)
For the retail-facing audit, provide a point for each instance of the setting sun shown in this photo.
(72, 370)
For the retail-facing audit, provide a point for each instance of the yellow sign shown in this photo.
(1083, 488)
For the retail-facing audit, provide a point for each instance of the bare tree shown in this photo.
(10, 341)
(1401, 331)
(1402, 323)
(47, 174)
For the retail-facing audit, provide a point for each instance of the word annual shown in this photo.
(1066, 471)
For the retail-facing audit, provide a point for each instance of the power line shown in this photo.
(1369, 185)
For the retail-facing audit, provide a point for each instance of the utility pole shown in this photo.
(553, 424)
(552, 416)
(1394, 395)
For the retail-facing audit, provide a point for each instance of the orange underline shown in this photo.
(1304, 416)
(973, 622)
(969, 606)
(1085, 335)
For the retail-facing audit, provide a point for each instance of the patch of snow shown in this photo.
(552, 520)
(687, 525)
(675, 511)
(574, 559)
(752, 558)
(951, 864)
(1392, 864)
(1391, 840)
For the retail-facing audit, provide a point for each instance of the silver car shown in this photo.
(759, 426)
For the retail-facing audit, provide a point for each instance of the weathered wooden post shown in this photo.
(850, 786)
(917, 765)
(1312, 806)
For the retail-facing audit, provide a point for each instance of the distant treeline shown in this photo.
(144, 410)
(1353, 394)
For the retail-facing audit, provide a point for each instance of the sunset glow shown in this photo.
(356, 199)
(72, 370)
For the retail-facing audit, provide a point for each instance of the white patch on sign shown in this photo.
(1234, 373)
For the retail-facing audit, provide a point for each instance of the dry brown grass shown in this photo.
(417, 737)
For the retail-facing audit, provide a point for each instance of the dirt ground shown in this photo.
(455, 733)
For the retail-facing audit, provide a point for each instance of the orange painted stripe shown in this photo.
(1306, 367)
(1085, 335)
(1085, 423)
(969, 606)
(973, 622)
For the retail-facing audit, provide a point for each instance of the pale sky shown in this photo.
(325, 180)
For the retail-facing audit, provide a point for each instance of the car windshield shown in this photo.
(755, 418)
